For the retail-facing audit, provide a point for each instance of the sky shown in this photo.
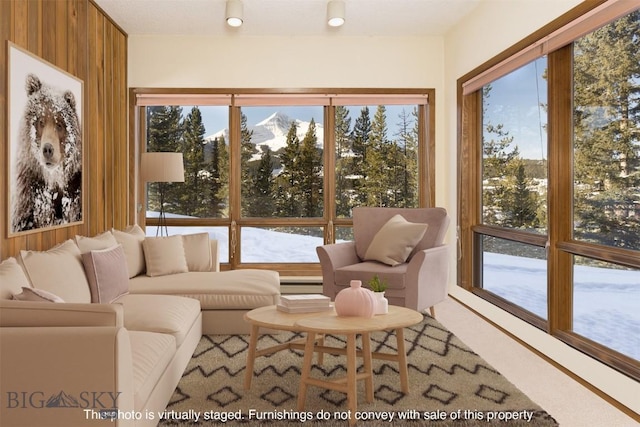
(216, 118)
(515, 101)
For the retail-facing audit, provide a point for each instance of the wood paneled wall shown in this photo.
(78, 37)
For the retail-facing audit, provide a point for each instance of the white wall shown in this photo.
(285, 62)
(502, 24)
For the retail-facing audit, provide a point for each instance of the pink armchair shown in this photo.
(419, 283)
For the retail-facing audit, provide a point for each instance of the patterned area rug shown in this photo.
(450, 385)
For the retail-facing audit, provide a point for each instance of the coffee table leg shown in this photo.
(366, 358)
(251, 356)
(306, 369)
(321, 353)
(352, 391)
(402, 360)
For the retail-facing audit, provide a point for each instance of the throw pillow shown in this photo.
(38, 295)
(58, 270)
(12, 278)
(107, 274)
(394, 242)
(101, 241)
(164, 255)
(131, 240)
(197, 251)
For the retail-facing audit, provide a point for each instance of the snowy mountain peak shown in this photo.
(272, 131)
(277, 123)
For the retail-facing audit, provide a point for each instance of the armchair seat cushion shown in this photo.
(364, 271)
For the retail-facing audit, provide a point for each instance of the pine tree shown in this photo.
(344, 185)
(247, 172)
(288, 181)
(164, 133)
(377, 161)
(359, 145)
(262, 200)
(194, 188)
(309, 167)
(217, 173)
(607, 133)
(519, 206)
(498, 156)
(406, 173)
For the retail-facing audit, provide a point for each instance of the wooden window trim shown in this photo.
(140, 98)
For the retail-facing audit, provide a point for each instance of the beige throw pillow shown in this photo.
(101, 241)
(197, 251)
(107, 274)
(59, 271)
(131, 240)
(164, 255)
(37, 295)
(394, 242)
(12, 278)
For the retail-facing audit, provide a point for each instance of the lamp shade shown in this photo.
(162, 167)
(234, 11)
(335, 13)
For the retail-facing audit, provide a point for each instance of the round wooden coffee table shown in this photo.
(270, 317)
(397, 319)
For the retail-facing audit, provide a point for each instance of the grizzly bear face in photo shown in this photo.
(49, 159)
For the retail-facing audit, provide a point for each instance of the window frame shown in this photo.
(140, 98)
(559, 242)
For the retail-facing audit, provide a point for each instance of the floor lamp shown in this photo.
(162, 167)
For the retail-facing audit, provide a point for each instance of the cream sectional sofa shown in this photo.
(112, 349)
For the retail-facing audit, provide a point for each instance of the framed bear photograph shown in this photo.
(45, 135)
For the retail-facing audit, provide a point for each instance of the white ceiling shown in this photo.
(288, 17)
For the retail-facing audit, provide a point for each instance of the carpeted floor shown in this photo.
(449, 386)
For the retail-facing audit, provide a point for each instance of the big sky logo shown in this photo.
(84, 400)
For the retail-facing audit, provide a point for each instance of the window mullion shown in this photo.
(560, 190)
(235, 186)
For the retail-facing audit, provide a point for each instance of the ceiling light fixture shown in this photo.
(335, 13)
(234, 13)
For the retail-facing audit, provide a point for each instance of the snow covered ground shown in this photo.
(606, 301)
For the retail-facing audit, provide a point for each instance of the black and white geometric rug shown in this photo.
(449, 384)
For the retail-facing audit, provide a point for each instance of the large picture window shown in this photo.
(273, 176)
(550, 182)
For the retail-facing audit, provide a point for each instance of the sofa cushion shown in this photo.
(131, 240)
(167, 314)
(151, 354)
(12, 278)
(197, 251)
(38, 295)
(364, 271)
(164, 255)
(107, 274)
(393, 243)
(232, 290)
(101, 241)
(59, 271)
